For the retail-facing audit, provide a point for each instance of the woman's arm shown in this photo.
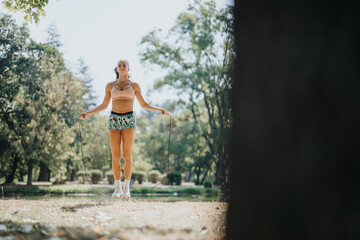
(144, 104)
(102, 106)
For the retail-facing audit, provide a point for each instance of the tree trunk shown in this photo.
(203, 178)
(30, 170)
(295, 136)
(190, 175)
(11, 176)
(72, 175)
(220, 169)
(68, 171)
(197, 180)
(44, 174)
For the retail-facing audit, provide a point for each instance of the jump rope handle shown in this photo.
(164, 112)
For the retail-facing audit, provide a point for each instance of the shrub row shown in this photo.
(154, 177)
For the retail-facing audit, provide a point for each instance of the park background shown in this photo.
(54, 70)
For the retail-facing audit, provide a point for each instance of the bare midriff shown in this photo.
(122, 105)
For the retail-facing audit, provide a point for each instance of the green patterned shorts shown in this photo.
(121, 121)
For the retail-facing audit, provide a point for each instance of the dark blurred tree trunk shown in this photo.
(44, 174)
(188, 178)
(68, 171)
(30, 170)
(72, 175)
(295, 136)
(197, 173)
(10, 178)
(220, 168)
(204, 176)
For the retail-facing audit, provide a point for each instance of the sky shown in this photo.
(102, 32)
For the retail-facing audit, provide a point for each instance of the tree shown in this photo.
(84, 75)
(198, 53)
(45, 140)
(32, 9)
(14, 41)
(43, 72)
(53, 36)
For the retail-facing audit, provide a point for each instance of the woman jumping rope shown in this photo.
(122, 123)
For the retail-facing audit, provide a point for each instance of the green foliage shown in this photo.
(207, 184)
(110, 177)
(96, 175)
(154, 176)
(173, 177)
(32, 9)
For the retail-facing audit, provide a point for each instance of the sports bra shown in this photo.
(127, 92)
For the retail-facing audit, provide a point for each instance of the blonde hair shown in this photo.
(128, 65)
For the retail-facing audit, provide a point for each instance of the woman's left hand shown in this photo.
(164, 112)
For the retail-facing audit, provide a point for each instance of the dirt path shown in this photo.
(112, 219)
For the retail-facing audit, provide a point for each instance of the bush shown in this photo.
(154, 176)
(134, 176)
(207, 184)
(139, 176)
(96, 175)
(59, 179)
(165, 181)
(174, 177)
(83, 176)
(110, 177)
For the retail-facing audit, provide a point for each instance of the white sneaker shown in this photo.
(117, 192)
(126, 194)
(126, 189)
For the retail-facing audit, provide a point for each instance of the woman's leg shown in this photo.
(115, 142)
(128, 137)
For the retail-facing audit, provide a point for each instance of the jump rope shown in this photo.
(84, 165)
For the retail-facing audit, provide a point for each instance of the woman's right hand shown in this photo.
(164, 112)
(83, 116)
